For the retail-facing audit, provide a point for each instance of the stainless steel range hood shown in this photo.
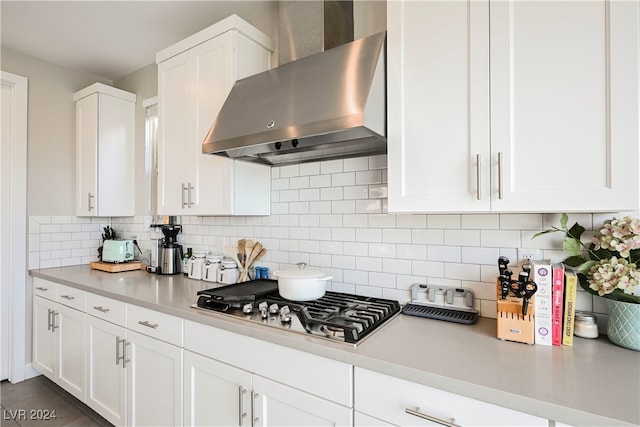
(328, 105)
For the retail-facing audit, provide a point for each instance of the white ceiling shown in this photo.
(111, 39)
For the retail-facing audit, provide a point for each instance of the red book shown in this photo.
(557, 304)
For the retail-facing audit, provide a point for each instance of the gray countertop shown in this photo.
(592, 383)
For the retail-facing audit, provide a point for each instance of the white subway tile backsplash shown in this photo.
(331, 166)
(320, 181)
(333, 215)
(309, 169)
(356, 164)
(343, 207)
(369, 177)
(395, 235)
(462, 237)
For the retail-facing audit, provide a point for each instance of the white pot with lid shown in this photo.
(302, 283)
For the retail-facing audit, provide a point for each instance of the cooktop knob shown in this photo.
(263, 310)
(284, 315)
(247, 308)
(273, 309)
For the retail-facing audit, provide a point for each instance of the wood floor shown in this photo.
(36, 401)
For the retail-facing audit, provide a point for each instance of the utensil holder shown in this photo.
(511, 324)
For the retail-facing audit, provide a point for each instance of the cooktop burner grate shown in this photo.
(337, 316)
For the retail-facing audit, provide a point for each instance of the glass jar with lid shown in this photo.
(586, 325)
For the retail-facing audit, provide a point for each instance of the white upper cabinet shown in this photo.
(105, 151)
(537, 112)
(194, 78)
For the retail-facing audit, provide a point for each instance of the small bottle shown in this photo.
(586, 325)
(185, 261)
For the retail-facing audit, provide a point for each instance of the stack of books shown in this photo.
(555, 303)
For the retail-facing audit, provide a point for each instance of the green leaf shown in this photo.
(575, 261)
(584, 268)
(619, 295)
(571, 246)
(563, 221)
(576, 231)
(551, 230)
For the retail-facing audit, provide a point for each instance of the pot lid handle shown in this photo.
(302, 265)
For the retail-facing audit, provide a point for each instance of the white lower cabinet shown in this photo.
(154, 381)
(215, 394)
(276, 404)
(400, 402)
(58, 341)
(106, 376)
(262, 384)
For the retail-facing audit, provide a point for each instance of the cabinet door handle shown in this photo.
(184, 202)
(189, 202)
(500, 190)
(254, 397)
(148, 324)
(49, 311)
(40, 288)
(417, 413)
(241, 414)
(478, 176)
(101, 309)
(53, 320)
(124, 353)
(89, 197)
(68, 297)
(118, 357)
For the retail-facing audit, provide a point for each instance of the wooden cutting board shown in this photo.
(116, 267)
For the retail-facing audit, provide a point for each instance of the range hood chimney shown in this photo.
(316, 105)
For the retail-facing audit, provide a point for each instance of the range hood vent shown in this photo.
(328, 105)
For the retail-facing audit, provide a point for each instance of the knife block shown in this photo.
(512, 325)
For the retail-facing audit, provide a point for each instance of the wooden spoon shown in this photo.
(232, 252)
(248, 248)
(251, 259)
(241, 248)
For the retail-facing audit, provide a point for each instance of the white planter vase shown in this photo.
(623, 327)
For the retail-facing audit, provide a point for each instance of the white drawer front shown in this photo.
(387, 398)
(44, 288)
(108, 309)
(317, 375)
(155, 324)
(71, 297)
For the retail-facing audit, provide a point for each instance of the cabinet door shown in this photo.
(154, 382)
(44, 339)
(87, 156)
(174, 133)
(214, 76)
(116, 155)
(564, 105)
(70, 327)
(106, 376)
(215, 394)
(278, 405)
(438, 106)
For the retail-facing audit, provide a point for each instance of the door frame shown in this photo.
(13, 249)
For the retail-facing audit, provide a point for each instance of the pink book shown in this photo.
(557, 304)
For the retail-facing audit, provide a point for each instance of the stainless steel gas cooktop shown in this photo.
(338, 317)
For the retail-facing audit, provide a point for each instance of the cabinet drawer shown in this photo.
(387, 398)
(44, 288)
(155, 324)
(108, 309)
(71, 297)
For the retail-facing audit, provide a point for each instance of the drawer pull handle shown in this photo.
(147, 324)
(67, 297)
(417, 413)
(101, 309)
(40, 288)
(53, 320)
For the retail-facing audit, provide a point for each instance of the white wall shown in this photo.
(51, 131)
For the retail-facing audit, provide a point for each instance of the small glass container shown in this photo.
(586, 325)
